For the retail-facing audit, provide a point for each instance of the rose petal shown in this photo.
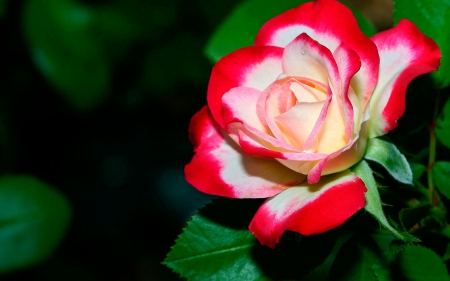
(239, 104)
(309, 209)
(345, 157)
(219, 167)
(349, 64)
(305, 57)
(296, 124)
(330, 23)
(331, 136)
(254, 143)
(253, 67)
(405, 54)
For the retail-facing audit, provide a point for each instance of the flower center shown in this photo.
(293, 112)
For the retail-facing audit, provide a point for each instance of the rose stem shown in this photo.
(432, 154)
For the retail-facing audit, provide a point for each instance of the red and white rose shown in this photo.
(287, 117)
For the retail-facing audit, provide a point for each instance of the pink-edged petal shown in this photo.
(219, 167)
(253, 67)
(254, 143)
(305, 93)
(309, 209)
(269, 108)
(305, 51)
(239, 105)
(405, 54)
(330, 23)
(305, 57)
(349, 64)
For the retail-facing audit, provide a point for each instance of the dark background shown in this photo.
(116, 148)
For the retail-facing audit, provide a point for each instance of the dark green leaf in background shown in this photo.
(418, 263)
(33, 220)
(387, 155)
(71, 42)
(417, 170)
(422, 216)
(443, 125)
(411, 216)
(240, 28)
(3, 4)
(354, 260)
(66, 52)
(321, 272)
(441, 175)
(432, 17)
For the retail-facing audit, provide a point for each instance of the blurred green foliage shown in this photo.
(95, 100)
(241, 26)
(433, 19)
(33, 219)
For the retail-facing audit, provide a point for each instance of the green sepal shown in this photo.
(387, 155)
(373, 200)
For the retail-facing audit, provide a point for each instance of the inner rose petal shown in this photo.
(306, 90)
(297, 123)
(332, 134)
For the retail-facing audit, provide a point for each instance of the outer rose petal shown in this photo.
(219, 167)
(330, 23)
(253, 67)
(309, 209)
(405, 54)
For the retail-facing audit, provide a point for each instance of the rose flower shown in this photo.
(287, 117)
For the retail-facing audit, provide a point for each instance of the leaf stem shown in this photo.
(432, 154)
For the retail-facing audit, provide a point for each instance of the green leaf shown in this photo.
(417, 170)
(418, 263)
(446, 255)
(204, 243)
(373, 204)
(411, 216)
(387, 155)
(442, 128)
(242, 25)
(65, 51)
(3, 6)
(33, 220)
(432, 17)
(321, 272)
(354, 260)
(441, 175)
(426, 215)
(220, 233)
(382, 268)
